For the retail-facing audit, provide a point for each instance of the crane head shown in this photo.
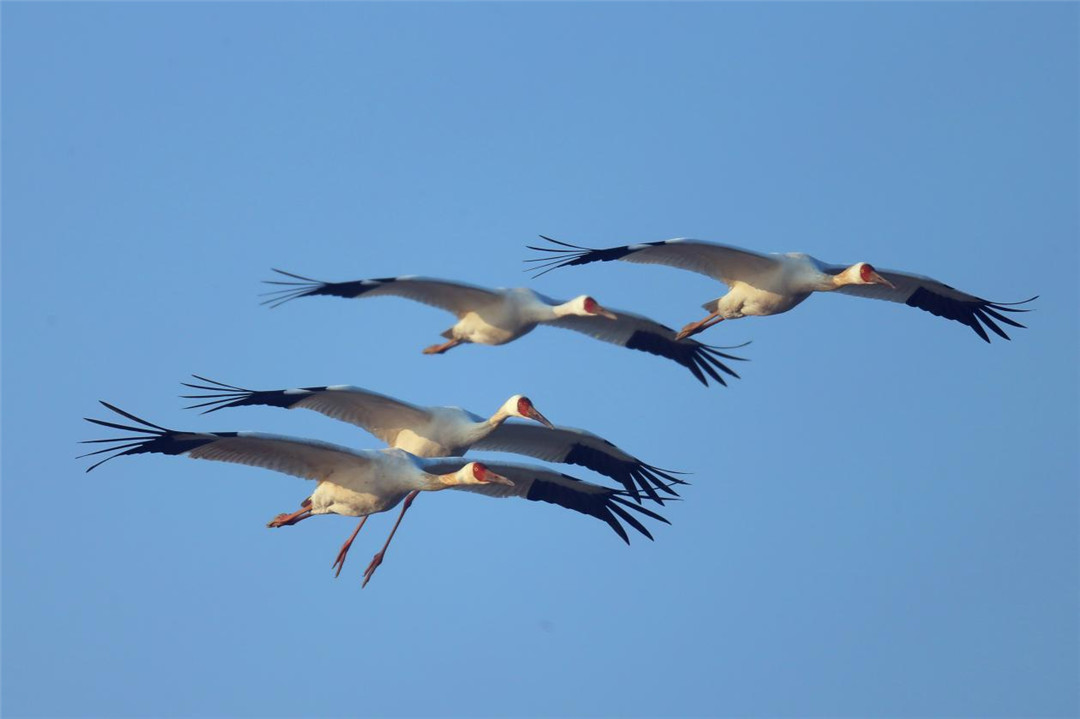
(477, 473)
(867, 275)
(591, 308)
(521, 406)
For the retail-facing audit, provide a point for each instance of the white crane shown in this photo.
(770, 284)
(358, 483)
(451, 431)
(495, 317)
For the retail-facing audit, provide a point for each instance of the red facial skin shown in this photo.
(525, 407)
(590, 305)
(865, 272)
(480, 472)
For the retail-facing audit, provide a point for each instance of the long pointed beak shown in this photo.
(606, 313)
(497, 479)
(533, 414)
(879, 280)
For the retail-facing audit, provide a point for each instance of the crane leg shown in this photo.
(439, 349)
(285, 518)
(694, 327)
(340, 561)
(378, 558)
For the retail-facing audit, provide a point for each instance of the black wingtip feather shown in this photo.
(978, 314)
(573, 255)
(152, 438)
(602, 505)
(630, 519)
(691, 354)
(637, 508)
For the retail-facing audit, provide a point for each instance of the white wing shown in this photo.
(641, 333)
(576, 446)
(308, 459)
(454, 297)
(543, 485)
(938, 299)
(383, 416)
(722, 262)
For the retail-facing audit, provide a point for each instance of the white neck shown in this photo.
(824, 282)
(472, 432)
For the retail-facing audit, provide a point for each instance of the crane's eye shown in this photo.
(866, 270)
(479, 472)
(590, 305)
(524, 406)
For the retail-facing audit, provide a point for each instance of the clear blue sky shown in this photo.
(884, 511)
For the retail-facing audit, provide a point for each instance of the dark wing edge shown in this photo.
(300, 286)
(583, 449)
(636, 476)
(975, 313)
(610, 506)
(150, 438)
(699, 358)
(568, 255)
(220, 395)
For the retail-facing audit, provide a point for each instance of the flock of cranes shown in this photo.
(426, 445)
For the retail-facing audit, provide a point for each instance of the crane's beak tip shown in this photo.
(541, 419)
(499, 479)
(882, 281)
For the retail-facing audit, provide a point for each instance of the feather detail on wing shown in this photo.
(721, 262)
(939, 299)
(383, 416)
(454, 297)
(641, 333)
(577, 446)
(308, 459)
(543, 485)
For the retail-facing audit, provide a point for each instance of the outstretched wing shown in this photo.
(307, 459)
(454, 297)
(568, 445)
(383, 416)
(721, 262)
(938, 299)
(542, 485)
(641, 333)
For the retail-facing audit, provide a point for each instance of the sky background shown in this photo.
(883, 519)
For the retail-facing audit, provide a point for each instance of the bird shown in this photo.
(451, 431)
(498, 316)
(358, 483)
(761, 284)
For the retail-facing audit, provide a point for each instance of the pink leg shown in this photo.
(694, 327)
(377, 559)
(439, 349)
(340, 561)
(299, 515)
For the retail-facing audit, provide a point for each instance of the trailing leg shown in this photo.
(340, 561)
(694, 327)
(378, 558)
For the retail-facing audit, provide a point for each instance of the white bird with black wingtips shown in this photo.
(360, 483)
(498, 316)
(451, 431)
(770, 284)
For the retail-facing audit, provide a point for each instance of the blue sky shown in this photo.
(883, 519)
